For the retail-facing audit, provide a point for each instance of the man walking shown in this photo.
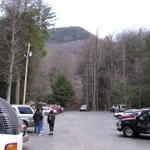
(37, 117)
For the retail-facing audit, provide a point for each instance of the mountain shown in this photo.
(68, 34)
(63, 56)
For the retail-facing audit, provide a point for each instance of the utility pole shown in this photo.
(29, 53)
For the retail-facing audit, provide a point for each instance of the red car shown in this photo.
(132, 115)
(56, 107)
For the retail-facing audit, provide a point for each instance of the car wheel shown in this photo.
(128, 131)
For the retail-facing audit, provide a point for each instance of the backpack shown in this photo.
(51, 118)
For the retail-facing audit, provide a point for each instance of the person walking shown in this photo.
(51, 121)
(37, 117)
(42, 121)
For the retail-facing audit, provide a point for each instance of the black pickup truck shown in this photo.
(135, 126)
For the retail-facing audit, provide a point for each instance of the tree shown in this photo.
(13, 38)
(22, 22)
(62, 90)
(131, 92)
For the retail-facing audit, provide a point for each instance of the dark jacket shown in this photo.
(37, 117)
(51, 118)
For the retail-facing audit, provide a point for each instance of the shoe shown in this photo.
(40, 134)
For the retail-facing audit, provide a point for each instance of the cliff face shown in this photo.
(63, 55)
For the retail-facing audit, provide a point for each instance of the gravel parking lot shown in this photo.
(76, 130)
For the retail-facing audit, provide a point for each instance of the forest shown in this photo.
(115, 70)
(110, 71)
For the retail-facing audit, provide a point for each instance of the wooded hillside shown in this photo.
(63, 53)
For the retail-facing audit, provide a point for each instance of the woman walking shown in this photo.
(51, 121)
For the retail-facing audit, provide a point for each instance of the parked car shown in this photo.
(46, 109)
(61, 108)
(135, 126)
(25, 112)
(85, 107)
(127, 112)
(131, 115)
(11, 136)
(55, 108)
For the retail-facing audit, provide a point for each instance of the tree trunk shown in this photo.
(17, 90)
(9, 88)
(124, 74)
(10, 77)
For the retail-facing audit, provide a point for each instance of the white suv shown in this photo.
(11, 137)
(25, 112)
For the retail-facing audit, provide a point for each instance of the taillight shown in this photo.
(11, 146)
(24, 127)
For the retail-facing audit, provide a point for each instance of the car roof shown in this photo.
(9, 121)
(21, 105)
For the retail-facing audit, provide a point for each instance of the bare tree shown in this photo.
(12, 38)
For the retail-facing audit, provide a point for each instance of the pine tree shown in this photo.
(62, 90)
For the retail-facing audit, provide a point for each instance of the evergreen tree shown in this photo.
(62, 90)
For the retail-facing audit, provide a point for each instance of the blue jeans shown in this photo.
(36, 127)
(41, 125)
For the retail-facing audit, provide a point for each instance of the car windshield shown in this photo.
(25, 110)
(83, 106)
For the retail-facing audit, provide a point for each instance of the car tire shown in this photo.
(128, 131)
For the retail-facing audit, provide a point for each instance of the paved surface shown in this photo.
(86, 131)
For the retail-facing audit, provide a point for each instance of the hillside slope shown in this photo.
(63, 54)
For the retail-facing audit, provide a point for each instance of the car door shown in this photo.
(142, 123)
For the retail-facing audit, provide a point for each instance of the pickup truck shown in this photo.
(134, 126)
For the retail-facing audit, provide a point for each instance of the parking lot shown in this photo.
(76, 130)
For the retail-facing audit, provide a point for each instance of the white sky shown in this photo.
(107, 16)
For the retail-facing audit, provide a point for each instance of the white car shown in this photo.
(25, 113)
(85, 107)
(46, 109)
(11, 136)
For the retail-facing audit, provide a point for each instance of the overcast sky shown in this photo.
(107, 15)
